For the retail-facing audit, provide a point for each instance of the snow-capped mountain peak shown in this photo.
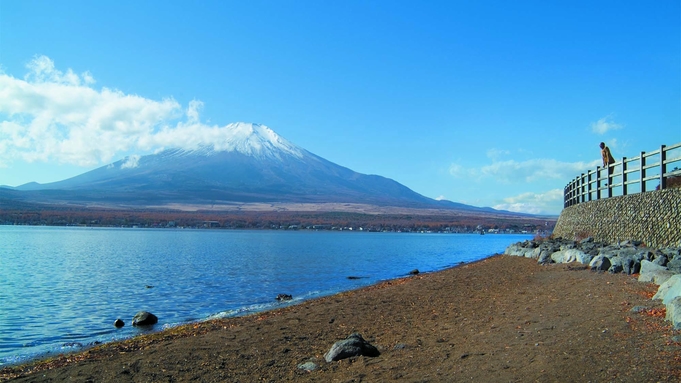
(254, 140)
(246, 138)
(240, 162)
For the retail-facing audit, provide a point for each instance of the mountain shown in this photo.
(249, 163)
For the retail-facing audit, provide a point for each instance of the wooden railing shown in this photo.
(630, 175)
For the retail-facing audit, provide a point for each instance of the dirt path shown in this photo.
(503, 319)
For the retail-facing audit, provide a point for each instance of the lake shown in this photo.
(61, 288)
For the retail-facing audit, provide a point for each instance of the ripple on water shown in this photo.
(62, 288)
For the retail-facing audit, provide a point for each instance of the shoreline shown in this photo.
(242, 311)
(459, 321)
(291, 266)
(180, 328)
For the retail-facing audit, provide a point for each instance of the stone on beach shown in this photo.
(600, 263)
(674, 312)
(670, 289)
(144, 318)
(651, 272)
(353, 345)
(308, 366)
(571, 255)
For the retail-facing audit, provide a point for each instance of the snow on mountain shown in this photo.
(241, 162)
(253, 140)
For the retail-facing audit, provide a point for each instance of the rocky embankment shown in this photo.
(659, 266)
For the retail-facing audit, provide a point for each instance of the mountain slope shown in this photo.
(248, 163)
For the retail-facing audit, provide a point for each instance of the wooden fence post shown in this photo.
(642, 172)
(598, 182)
(608, 192)
(663, 167)
(576, 199)
(624, 175)
(568, 194)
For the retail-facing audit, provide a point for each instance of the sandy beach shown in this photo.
(500, 319)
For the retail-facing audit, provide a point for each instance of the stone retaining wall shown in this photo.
(652, 217)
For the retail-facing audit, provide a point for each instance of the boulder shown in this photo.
(567, 245)
(144, 318)
(558, 256)
(533, 253)
(671, 252)
(651, 272)
(674, 313)
(353, 345)
(661, 260)
(531, 244)
(616, 265)
(414, 272)
(675, 265)
(571, 255)
(600, 263)
(669, 290)
(284, 297)
(544, 257)
(118, 323)
(584, 258)
(515, 249)
(627, 252)
(644, 254)
(590, 248)
(608, 252)
(631, 265)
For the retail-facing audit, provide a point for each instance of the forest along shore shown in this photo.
(502, 318)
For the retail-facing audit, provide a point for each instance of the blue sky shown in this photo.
(489, 103)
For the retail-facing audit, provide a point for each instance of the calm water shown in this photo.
(62, 288)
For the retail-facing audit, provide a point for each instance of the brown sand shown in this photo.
(503, 319)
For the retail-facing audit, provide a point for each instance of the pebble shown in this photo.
(308, 366)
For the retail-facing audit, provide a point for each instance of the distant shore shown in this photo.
(503, 318)
(273, 216)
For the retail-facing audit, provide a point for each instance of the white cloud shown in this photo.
(526, 208)
(458, 171)
(604, 125)
(540, 172)
(550, 202)
(131, 162)
(52, 115)
(193, 111)
(534, 170)
(495, 154)
(512, 171)
(440, 198)
(42, 70)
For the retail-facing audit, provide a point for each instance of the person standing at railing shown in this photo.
(607, 157)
